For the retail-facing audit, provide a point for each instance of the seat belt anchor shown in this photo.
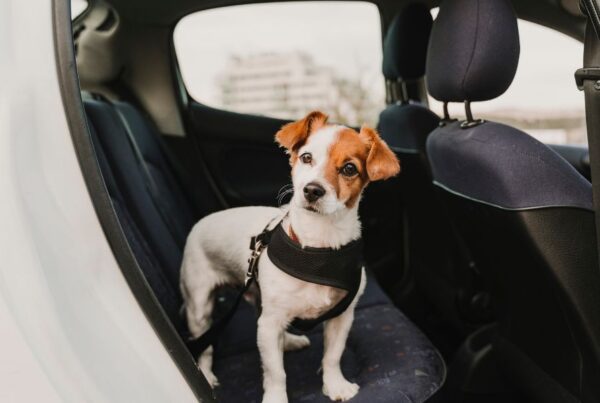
(587, 73)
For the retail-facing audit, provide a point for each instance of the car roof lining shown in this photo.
(555, 14)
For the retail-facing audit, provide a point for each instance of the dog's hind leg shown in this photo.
(198, 283)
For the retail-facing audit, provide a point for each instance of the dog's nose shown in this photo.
(313, 192)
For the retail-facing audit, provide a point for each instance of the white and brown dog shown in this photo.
(331, 165)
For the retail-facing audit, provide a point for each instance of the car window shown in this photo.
(78, 7)
(285, 59)
(543, 99)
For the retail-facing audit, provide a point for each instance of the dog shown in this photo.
(331, 166)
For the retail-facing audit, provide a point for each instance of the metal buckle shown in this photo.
(587, 73)
(253, 260)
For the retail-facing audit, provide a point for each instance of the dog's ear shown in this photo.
(293, 135)
(381, 161)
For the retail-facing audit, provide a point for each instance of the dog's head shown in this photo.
(331, 164)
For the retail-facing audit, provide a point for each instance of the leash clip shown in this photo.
(257, 247)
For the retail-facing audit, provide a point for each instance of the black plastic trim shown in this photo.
(80, 135)
(592, 8)
(527, 208)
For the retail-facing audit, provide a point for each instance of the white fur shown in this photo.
(216, 254)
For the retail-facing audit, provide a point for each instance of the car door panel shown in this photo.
(240, 152)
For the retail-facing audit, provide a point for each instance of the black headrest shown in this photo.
(473, 51)
(405, 44)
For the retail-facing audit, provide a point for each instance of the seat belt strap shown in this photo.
(588, 80)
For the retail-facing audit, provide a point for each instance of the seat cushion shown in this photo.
(240, 333)
(389, 358)
(386, 354)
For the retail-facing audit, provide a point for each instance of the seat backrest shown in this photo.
(169, 296)
(440, 269)
(525, 212)
(159, 169)
(405, 124)
(153, 209)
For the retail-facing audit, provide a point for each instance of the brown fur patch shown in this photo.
(381, 162)
(293, 135)
(371, 156)
(349, 147)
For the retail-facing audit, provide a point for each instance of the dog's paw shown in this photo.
(212, 380)
(340, 390)
(294, 342)
(210, 376)
(275, 397)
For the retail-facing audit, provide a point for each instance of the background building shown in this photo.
(288, 85)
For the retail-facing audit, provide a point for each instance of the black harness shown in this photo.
(340, 268)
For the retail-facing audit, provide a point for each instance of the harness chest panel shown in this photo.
(340, 268)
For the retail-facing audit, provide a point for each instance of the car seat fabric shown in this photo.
(502, 166)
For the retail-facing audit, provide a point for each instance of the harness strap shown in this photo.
(210, 337)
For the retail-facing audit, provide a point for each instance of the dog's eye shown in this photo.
(349, 170)
(306, 158)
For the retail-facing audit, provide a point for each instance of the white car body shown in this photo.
(70, 327)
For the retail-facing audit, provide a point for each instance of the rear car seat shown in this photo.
(386, 354)
(442, 267)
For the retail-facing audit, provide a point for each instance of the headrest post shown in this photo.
(389, 92)
(403, 92)
(470, 122)
(468, 111)
(396, 92)
(446, 113)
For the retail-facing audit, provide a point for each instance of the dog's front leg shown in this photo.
(335, 386)
(270, 344)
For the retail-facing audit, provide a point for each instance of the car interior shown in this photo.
(483, 282)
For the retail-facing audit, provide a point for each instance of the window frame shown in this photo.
(185, 97)
(82, 13)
